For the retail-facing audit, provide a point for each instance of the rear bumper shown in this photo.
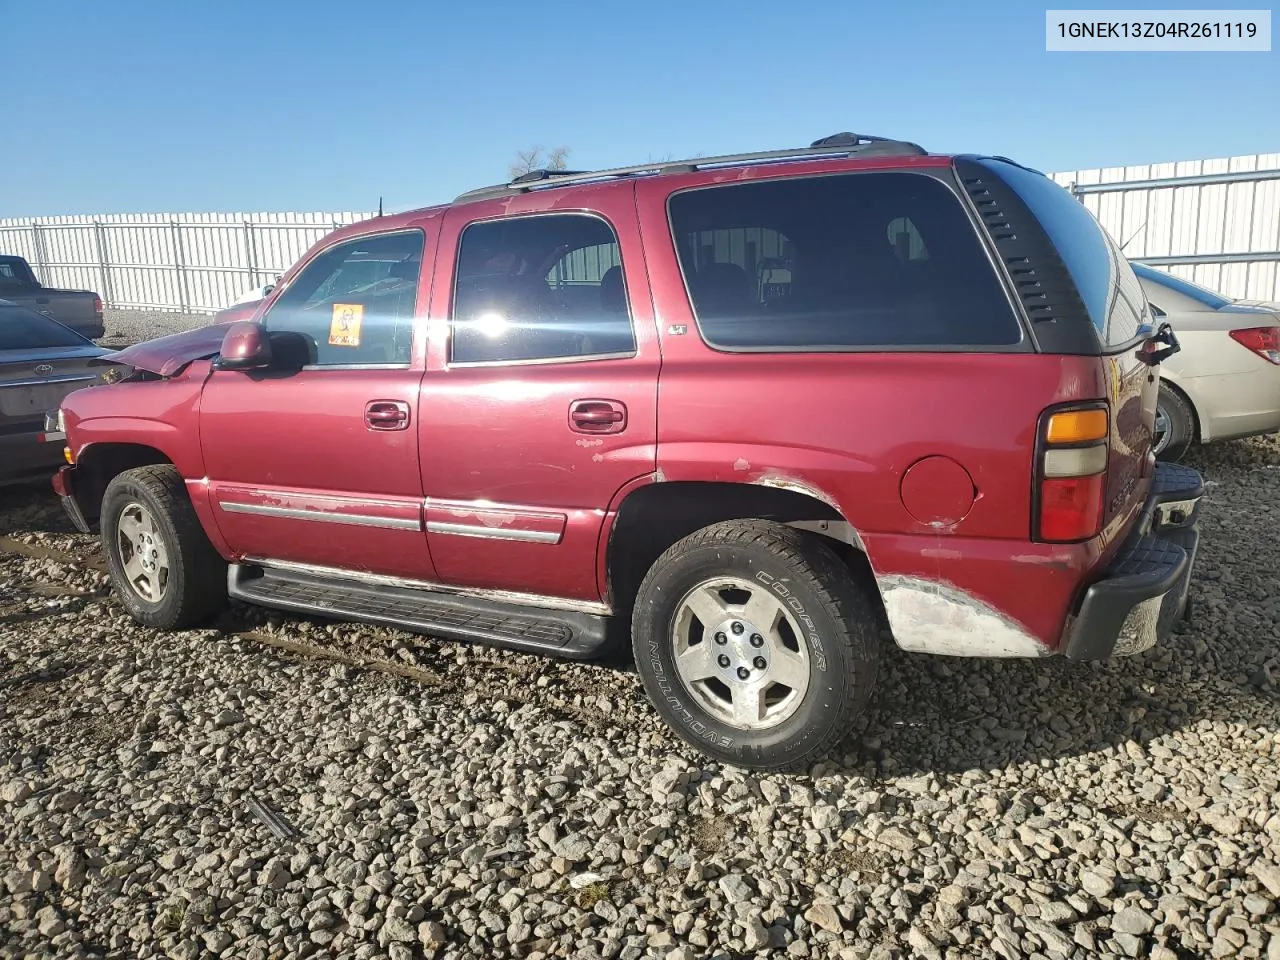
(64, 487)
(1144, 590)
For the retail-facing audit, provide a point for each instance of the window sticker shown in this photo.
(344, 328)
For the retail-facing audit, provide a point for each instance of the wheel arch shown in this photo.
(1197, 421)
(99, 463)
(653, 516)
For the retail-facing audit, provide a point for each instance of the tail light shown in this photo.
(1071, 472)
(97, 305)
(1264, 341)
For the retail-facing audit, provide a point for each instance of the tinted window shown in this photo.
(14, 273)
(874, 260)
(1209, 298)
(22, 329)
(540, 288)
(355, 302)
(1103, 277)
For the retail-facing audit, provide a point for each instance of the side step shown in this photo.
(559, 633)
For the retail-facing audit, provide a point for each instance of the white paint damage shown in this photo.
(929, 617)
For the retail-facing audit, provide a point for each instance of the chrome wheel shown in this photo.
(143, 555)
(1161, 438)
(740, 653)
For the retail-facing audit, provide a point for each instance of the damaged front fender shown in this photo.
(167, 356)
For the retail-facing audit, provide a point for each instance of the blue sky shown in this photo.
(139, 105)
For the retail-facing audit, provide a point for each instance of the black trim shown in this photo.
(1155, 561)
(559, 633)
(1060, 322)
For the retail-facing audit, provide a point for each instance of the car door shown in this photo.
(316, 461)
(539, 403)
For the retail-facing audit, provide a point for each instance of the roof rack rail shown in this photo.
(836, 145)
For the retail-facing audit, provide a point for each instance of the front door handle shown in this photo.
(597, 416)
(386, 415)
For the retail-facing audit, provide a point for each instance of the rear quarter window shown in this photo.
(857, 261)
(1103, 277)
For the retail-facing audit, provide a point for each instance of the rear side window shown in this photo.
(355, 302)
(547, 287)
(1103, 277)
(838, 262)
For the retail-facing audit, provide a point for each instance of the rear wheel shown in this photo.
(1175, 425)
(755, 644)
(163, 568)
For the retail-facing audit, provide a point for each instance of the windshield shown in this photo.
(23, 329)
(1211, 299)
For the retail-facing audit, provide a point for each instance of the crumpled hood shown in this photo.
(168, 355)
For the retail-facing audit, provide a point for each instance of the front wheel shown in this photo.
(163, 568)
(755, 644)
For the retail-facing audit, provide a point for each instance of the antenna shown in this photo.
(379, 206)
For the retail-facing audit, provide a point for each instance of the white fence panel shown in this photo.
(1215, 222)
(193, 262)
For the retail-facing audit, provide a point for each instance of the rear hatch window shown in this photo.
(22, 329)
(854, 261)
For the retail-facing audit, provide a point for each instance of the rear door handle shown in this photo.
(597, 416)
(386, 415)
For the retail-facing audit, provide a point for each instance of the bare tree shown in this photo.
(535, 158)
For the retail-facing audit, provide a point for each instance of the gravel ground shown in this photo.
(441, 800)
(130, 326)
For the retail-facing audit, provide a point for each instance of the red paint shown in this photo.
(937, 491)
(929, 456)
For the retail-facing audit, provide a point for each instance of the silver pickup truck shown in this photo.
(81, 310)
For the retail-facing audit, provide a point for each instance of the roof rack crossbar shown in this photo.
(836, 145)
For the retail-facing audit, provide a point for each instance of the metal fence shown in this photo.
(192, 263)
(1216, 222)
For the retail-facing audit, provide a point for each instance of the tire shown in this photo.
(1175, 425)
(822, 636)
(151, 503)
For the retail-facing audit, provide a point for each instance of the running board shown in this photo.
(559, 633)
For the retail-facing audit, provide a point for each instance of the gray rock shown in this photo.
(575, 847)
(431, 934)
(756, 935)
(15, 791)
(398, 930)
(898, 840)
(825, 817)
(275, 874)
(735, 888)
(1056, 913)
(1133, 920)
(825, 915)
(1268, 874)
(1097, 883)
(922, 945)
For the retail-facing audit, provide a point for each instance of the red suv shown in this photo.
(761, 410)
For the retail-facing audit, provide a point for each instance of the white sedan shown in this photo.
(1225, 382)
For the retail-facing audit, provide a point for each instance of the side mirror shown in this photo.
(266, 291)
(244, 347)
